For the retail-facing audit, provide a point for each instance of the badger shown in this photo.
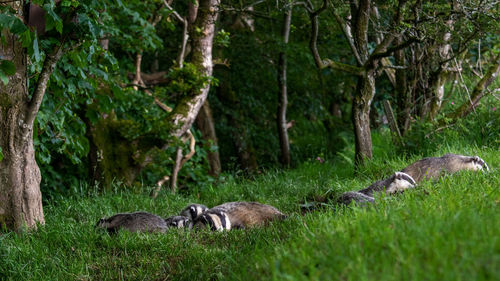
(193, 211)
(396, 183)
(248, 214)
(434, 167)
(347, 198)
(134, 222)
(179, 222)
(215, 220)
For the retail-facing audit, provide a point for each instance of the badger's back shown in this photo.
(349, 197)
(249, 214)
(434, 167)
(134, 222)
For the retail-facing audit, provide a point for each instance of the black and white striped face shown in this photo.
(215, 220)
(193, 211)
(102, 223)
(400, 182)
(478, 164)
(178, 222)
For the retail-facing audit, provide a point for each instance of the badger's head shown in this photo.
(399, 182)
(193, 211)
(178, 222)
(214, 220)
(102, 223)
(479, 164)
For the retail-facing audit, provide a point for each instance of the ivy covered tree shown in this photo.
(35, 36)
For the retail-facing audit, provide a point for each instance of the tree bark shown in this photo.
(403, 96)
(205, 122)
(282, 95)
(202, 33)
(365, 91)
(20, 196)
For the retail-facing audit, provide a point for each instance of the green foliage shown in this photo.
(480, 128)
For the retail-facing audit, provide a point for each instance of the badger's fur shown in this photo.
(216, 220)
(434, 167)
(134, 222)
(361, 199)
(193, 211)
(396, 183)
(179, 222)
(248, 214)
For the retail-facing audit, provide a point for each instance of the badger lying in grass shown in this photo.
(434, 167)
(231, 215)
(134, 222)
(398, 182)
(248, 214)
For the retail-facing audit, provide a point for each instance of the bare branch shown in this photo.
(174, 12)
(192, 150)
(346, 29)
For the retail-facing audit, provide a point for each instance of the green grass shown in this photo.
(443, 230)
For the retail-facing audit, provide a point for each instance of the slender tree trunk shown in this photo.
(20, 196)
(202, 33)
(282, 95)
(177, 167)
(437, 90)
(403, 96)
(205, 123)
(365, 91)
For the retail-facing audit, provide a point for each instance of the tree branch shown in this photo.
(41, 86)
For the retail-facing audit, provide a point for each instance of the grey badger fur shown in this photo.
(434, 167)
(134, 222)
(248, 214)
(216, 220)
(193, 211)
(398, 182)
(347, 198)
(179, 222)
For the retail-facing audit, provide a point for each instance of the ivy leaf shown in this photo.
(7, 67)
(1, 154)
(4, 78)
(36, 50)
(18, 27)
(5, 21)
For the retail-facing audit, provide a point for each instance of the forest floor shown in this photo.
(443, 230)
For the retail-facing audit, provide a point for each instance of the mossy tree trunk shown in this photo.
(365, 91)
(20, 196)
(202, 33)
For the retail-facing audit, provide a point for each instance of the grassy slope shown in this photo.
(445, 230)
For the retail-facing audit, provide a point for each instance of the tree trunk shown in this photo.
(403, 95)
(202, 33)
(205, 123)
(20, 196)
(282, 95)
(365, 91)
